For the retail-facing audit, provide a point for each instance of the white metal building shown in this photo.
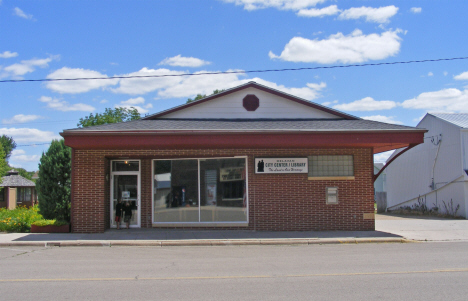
(436, 169)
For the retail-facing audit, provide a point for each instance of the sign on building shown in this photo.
(281, 165)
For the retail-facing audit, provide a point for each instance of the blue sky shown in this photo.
(69, 39)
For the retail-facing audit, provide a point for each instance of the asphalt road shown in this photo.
(412, 271)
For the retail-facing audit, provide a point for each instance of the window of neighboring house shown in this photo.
(337, 166)
(23, 194)
(2, 194)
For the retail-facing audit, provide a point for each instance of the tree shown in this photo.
(8, 145)
(54, 183)
(110, 116)
(24, 173)
(3, 163)
(199, 96)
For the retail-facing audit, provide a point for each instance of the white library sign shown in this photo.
(281, 165)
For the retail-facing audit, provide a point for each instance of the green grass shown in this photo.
(19, 219)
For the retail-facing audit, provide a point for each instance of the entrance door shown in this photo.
(125, 186)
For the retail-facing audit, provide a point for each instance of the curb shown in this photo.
(203, 242)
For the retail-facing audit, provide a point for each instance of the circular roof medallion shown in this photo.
(251, 102)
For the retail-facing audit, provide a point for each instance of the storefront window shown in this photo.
(205, 190)
(175, 191)
(223, 197)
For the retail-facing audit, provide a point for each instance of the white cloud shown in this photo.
(190, 86)
(19, 155)
(28, 66)
(461, 76)
(78, 86)
(145, 85)
(380, 118)
(8, 54)
(134, 102)
(327, 103)
(27, 135)
(322, 12)
(18, 12)
(181, 61)
(353, 48)
(60, 105)
(377, 15)
(445, 73)
(20, 118)
(416, 10)
(367, 104)
(446, 100)
(382, 157)
(278, 4)
(430, 74)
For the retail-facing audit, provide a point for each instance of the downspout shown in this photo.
(391, 160)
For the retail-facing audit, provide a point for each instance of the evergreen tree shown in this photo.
(54, 183)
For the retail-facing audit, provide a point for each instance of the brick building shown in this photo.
(250, 157)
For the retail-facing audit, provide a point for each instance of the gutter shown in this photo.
(187, 131)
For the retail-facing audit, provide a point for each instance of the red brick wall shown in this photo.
(277, 202)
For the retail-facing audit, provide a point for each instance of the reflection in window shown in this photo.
(222, 188)
(223, 196)
(175, 191)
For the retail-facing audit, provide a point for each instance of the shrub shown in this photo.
(18, 219)
(49, 222)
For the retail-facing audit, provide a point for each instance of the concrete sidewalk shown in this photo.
(423, 228)
(158, 237)
(389, 229)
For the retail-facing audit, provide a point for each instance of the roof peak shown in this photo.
(261, 87)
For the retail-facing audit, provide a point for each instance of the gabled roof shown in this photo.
(458, 119)
(314, 105)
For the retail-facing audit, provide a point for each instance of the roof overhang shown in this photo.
(379, 141)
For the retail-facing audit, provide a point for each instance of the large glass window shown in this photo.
(205, 190)
(175, 191)
(223, 196)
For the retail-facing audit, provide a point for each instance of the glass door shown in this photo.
(125, 187)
